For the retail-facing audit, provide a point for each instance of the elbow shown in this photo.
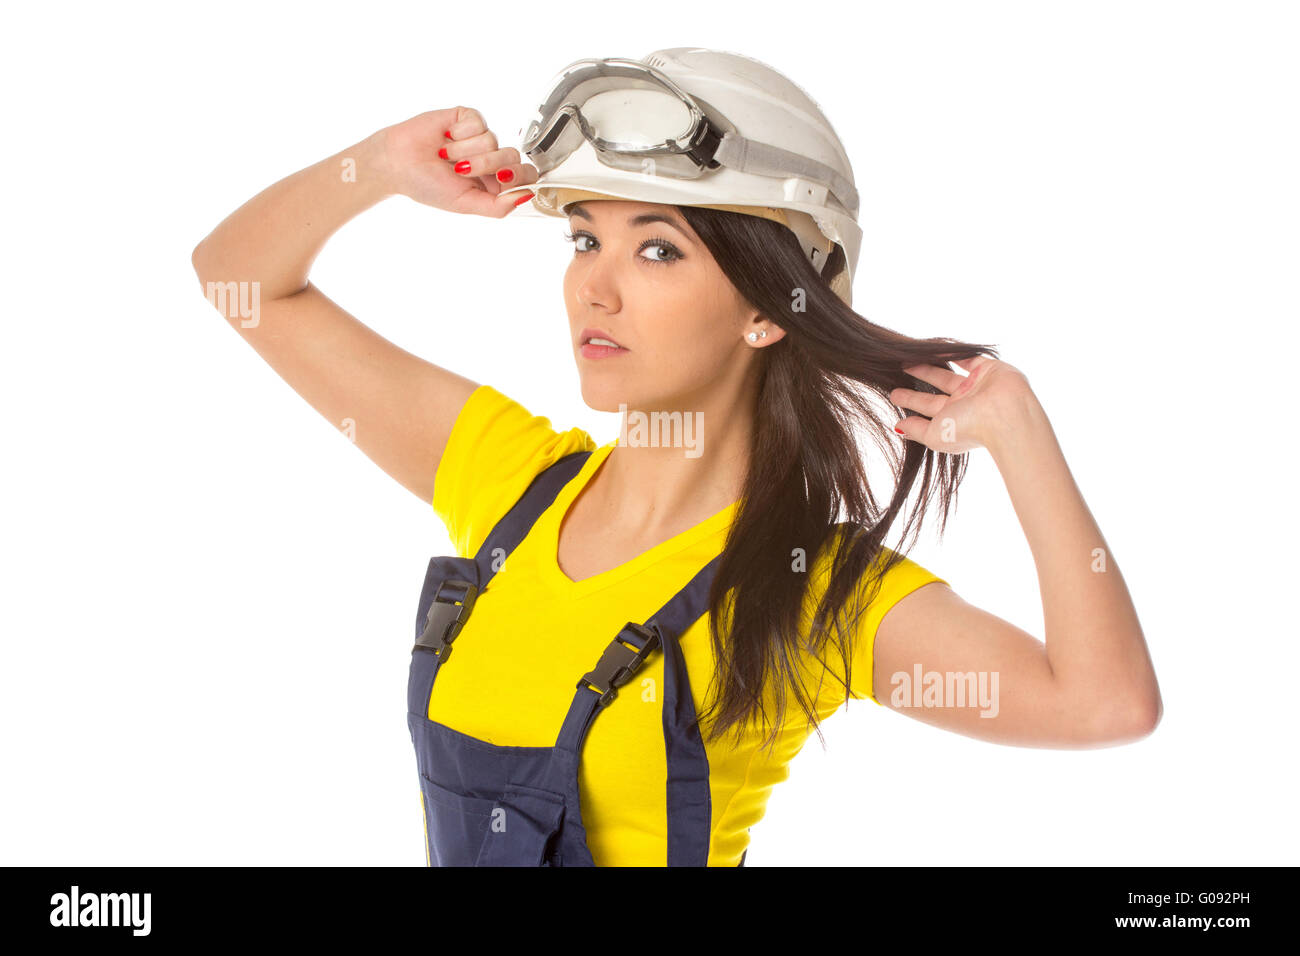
(1144, 719)
(1126, 725)
(1153, 714)
(213, 289)
(197, 259)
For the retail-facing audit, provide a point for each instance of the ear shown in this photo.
(760, 323)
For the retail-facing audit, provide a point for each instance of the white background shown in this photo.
(209, 593)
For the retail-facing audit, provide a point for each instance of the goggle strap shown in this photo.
(763, 159)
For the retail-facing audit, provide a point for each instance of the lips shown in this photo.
(597, 337)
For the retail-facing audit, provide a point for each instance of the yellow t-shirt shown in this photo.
(516, 691)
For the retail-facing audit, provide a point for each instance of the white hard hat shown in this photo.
(695, 127)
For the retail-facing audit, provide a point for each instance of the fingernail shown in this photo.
(900, 431)
(447, 133)
(505, 175)
(462, 166)
(524, 198)
(442, 153)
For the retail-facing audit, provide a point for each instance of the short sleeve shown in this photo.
(898, 582)
(495, 449)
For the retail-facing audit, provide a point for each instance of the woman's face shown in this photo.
(652, 287)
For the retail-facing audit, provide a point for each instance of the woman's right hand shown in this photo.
(421, 154)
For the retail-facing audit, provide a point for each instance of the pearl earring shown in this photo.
(755, 336)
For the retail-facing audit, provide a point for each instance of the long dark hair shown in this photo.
(806, 486)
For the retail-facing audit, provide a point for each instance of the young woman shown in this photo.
(684, 591)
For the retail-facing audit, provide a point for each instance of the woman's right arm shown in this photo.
(254, 267)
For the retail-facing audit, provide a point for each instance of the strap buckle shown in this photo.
(619, 662)
(446, 618)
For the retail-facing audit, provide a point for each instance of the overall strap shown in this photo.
(689, 799)
(519, 520)
(451, 585)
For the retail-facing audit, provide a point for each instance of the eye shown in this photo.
(663, 244)
(671, 252)
(574, 237)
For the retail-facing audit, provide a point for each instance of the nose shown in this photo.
(595, 283)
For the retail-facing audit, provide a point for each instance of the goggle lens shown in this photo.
(632, 119)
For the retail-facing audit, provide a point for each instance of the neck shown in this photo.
(674, 466)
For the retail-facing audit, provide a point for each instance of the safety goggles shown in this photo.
(637, 119)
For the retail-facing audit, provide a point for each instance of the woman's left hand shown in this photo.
(975, 410)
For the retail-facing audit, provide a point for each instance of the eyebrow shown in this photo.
(642, 220)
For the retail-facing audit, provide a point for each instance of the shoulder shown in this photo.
(495, 449)
(890, 577)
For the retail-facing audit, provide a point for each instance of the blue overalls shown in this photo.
(492, 805)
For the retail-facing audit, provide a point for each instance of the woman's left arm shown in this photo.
(1091, 683)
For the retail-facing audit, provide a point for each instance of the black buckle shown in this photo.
(618, 663)
(705, 147)
(446, 618)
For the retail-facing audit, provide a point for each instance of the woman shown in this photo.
(691, 579)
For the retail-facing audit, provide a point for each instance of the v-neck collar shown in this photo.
(549, 531)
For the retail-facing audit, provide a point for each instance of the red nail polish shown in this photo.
(442, 153)
(462, 166)
(899, 430)
(505, 175)
(447, 133)
(524, 198)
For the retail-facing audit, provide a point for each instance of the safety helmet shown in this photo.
(695, 127)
